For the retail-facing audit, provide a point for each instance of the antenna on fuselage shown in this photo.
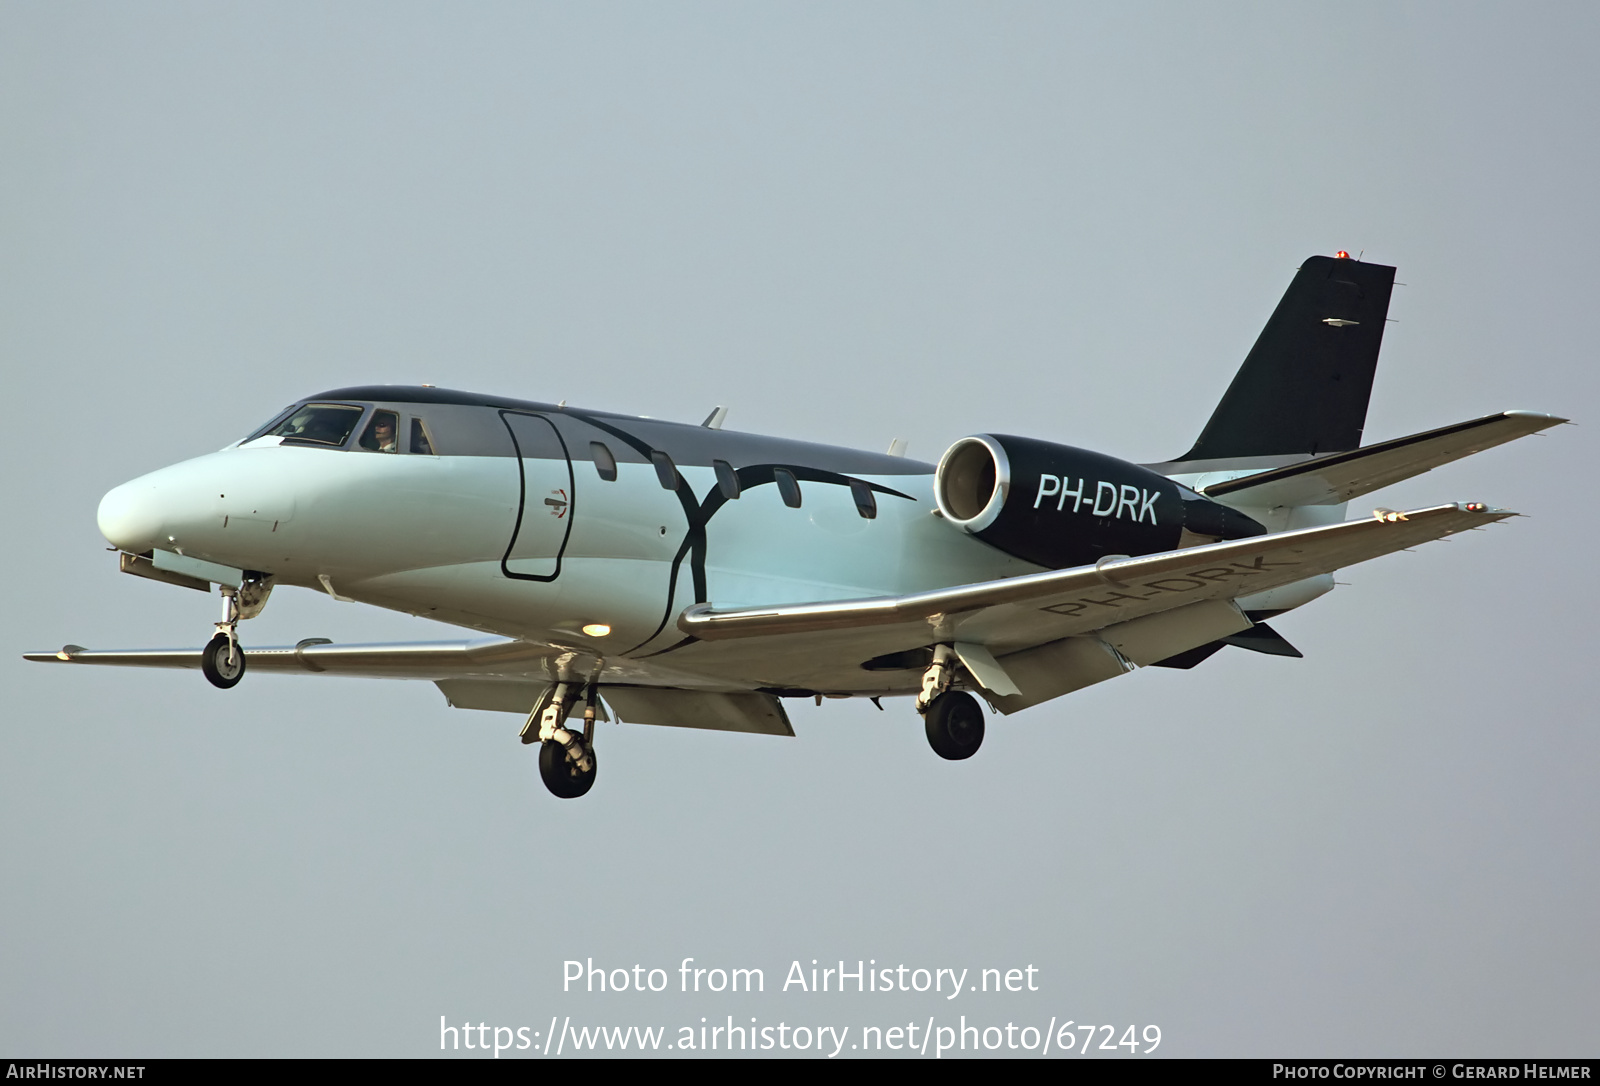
(714, 420)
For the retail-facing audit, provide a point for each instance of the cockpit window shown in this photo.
(267, 429)
(419, 437)
(319, 424)
(382, 432)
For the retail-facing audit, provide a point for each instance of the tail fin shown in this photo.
(1304, 386)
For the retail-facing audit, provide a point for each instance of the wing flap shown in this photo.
(1072, 663)
(737, 711)
(753, 713)
(1339, 477)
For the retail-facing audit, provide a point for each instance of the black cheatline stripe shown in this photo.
(749, 478)
(698, 514)
(669, 648)
(694, 538)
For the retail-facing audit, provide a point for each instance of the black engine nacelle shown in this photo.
(1060, 507)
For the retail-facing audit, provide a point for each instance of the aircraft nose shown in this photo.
(129, 516)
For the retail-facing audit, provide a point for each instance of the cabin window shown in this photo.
(727, 479)
(382, 433)
(666, 472)
(605, 465)
(866, 502)
(319, 424)
(788, 487)
(419, 438)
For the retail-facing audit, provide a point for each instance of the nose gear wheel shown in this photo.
(222, 660)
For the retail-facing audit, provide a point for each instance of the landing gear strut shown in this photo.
(953, 718)
(222, 660)
(566, 760)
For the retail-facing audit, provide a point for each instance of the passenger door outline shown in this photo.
(526, 565)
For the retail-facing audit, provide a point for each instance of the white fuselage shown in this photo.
(429, 535)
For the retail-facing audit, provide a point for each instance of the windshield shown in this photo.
(319, 423)
(261, 431)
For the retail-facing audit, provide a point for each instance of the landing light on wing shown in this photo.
(597, 629)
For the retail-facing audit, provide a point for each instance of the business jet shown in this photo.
(622, 568)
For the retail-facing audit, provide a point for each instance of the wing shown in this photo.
(486, 657)
(497, 674)
(1034, 637)
(1041, 606)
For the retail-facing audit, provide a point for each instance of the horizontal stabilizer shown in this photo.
(1258, 638)
(1263, 638)
(1183, 661)
(1339, 477)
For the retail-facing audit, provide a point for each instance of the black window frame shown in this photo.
(788, 487)
(666, 471)
(727, 479)
(419, 427)
(866, 501)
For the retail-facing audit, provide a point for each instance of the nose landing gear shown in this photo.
(222, 660)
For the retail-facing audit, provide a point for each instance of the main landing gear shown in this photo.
(953, 718)
(566, 760)
(955, 725)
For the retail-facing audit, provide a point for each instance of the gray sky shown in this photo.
(847, 223)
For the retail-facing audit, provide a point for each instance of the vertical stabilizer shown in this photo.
(1304, 386)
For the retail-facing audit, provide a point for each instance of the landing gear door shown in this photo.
(543, 523)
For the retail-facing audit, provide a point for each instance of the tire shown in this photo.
(560, 775)
(955, 725)
(218, 670)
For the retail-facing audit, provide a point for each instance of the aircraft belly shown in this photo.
(825, 662)
(627, 595)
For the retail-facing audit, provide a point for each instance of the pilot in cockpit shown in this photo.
(380, 433)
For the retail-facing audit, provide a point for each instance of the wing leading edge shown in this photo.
(501, 657)
(1039, 607)
(498, 674)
